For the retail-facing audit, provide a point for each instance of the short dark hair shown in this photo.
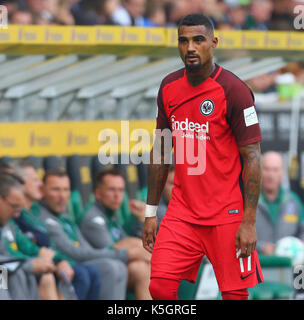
(196, 19)
(7, 182)
(20, 166)
(98, 179)
(25, 163)
(6, 168)
(57, 172)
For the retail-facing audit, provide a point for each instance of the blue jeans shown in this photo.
(86, 282)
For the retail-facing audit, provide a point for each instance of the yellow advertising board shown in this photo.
(115, 39)
(67, 138)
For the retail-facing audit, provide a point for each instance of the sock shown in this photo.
(164, 289)
(235, 295)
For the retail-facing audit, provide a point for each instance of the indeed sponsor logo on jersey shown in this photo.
(189, 125)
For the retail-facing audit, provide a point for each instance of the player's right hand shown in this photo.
(149, 233)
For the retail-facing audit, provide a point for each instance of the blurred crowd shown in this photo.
(226, 14)
(280, 85)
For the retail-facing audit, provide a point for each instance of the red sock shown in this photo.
(164, 289)
(235, 295)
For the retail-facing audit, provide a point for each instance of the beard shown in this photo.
(193, 68)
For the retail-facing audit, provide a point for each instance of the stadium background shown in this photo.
(62, 84)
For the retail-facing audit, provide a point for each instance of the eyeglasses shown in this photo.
(14, 206)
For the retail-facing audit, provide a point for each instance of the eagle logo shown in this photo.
(207, 107)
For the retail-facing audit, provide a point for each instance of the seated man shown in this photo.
(85, 279)
(280, 212)
(22, 283)
(35, 240)
(100, 227)
(69, 240)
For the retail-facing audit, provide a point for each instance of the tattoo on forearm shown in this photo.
(252, 191)
(253, 153)
(252, 174)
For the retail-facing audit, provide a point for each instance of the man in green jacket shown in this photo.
(280, 212)
(84, 278)
(11, 201)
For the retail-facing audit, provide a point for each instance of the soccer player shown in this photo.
(212, 211)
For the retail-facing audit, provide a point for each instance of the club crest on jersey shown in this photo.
(207, 107)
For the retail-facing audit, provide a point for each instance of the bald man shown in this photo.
(280, 211)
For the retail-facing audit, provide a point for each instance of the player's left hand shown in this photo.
(245, 239)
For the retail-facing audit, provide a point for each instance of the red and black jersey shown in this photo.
(213, 119)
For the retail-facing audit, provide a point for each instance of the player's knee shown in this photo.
(163, 289)
(235, 295)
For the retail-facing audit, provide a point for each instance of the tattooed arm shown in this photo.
(157, 176)
(246, 234)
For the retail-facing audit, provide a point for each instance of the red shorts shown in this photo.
(180, 247)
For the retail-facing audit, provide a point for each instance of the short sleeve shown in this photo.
(242, 116)
(161, 117)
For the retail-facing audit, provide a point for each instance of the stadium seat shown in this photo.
(54, 162)
(97, 166)
(268, 261)
(273, 287)
(260, 292)
(269, 290)
(37, 162)
(79, 171)
(142, 181)
(75, 206)
(142, 175)
(131, 177)
(280, 290)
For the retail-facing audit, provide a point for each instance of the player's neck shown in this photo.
(196, 78)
